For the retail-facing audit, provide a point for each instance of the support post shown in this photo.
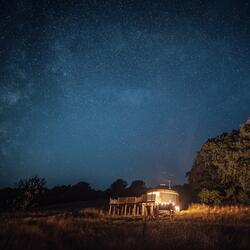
(114, 208)
(125, 210)
(134, 210)
(151, 210)
(110, 209)
(142, 209)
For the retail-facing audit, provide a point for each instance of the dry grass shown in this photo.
(199, 227)
(229, 209)
(218, 214)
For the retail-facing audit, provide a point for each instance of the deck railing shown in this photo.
(124, 200)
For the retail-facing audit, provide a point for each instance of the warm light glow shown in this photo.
(177, 208)
(165, 197)
(156, 193)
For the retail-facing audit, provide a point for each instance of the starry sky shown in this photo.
(100, 90)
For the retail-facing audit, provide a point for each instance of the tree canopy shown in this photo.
(223, 165)
(118, 188)
(137, 188)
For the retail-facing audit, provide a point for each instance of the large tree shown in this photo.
(137, 188)
(118, 188)
(223, 165)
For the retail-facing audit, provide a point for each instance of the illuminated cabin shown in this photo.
(154, 201)
(164, 196)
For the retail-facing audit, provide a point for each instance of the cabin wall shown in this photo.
(169, 198)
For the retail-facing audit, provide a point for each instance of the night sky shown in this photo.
(97, 90)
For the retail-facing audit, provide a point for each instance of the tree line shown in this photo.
(33, 192)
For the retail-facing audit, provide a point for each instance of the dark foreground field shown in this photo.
(224, 228)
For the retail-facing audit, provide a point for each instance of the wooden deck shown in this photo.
(133, 206)
(133, 200)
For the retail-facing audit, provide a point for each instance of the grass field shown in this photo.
(200, 227)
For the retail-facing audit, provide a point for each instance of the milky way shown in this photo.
(96, 90)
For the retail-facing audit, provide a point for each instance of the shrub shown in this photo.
(29, 190)
(212, 197)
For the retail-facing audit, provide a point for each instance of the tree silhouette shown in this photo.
(118, 188)
(29, 192)
(137, 188)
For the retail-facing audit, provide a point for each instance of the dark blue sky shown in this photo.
(97, 90)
